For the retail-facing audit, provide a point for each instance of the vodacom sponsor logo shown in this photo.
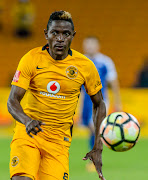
(53, 87)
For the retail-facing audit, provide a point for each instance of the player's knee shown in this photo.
(20, 178)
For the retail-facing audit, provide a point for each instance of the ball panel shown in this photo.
(118, 117)
(131, 131)
(112, 134)
(134, 119)
(124, 146)
(107, 145)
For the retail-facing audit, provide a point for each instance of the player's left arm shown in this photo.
(99, 113)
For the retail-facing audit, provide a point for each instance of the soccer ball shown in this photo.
(119, 131)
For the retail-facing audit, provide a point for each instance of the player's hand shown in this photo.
(33, 126)
(96, 157)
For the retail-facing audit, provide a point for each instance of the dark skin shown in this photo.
(99, 113)
(59, 36)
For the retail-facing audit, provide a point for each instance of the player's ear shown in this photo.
(74, 33)
(46, 33)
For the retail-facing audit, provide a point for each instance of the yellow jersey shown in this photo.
(54, 87)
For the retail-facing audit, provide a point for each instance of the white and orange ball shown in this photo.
(119, 131)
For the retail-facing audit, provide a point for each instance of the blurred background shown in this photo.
(122, 29)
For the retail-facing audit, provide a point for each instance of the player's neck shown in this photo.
(57, 57)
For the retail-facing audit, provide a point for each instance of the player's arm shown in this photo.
(116, 94)
(16, 110)
(99, 113)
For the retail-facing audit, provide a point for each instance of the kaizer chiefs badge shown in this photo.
(72, 72)
(15, 161)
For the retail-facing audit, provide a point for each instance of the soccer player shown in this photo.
(52, 75)
(108, 75)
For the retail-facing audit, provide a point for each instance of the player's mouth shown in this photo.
(60, 47)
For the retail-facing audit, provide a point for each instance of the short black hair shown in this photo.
(60, 15)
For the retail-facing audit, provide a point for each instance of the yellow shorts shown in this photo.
(38, 159)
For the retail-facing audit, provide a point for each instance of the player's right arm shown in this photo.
(20, 84)
(16, 110)
(14, 107)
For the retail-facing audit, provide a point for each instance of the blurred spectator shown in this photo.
(1, 13)
(142, 80)
(23, 18)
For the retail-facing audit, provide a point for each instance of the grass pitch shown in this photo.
(130, 165)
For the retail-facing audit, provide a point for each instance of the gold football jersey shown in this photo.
(54, 88)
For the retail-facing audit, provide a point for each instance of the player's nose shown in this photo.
(60, 37)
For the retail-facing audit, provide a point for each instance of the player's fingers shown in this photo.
(101, 175)
(31, 129)
(39, 128)
(30, 134)
(87, 157)
(99, 171)
(102, 178)
(34, 130)
(41, 123)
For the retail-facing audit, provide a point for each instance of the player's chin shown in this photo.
(60, 52)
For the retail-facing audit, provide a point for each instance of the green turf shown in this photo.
(130, 165)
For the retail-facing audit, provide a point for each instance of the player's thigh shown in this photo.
(24, 159)
(55, 164)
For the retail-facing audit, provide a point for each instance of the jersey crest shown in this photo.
(72, 72)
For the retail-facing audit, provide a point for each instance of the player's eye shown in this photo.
(67, 33)
(54, 33)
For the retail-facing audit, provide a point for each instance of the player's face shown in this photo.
(91, 46)
(59, 36)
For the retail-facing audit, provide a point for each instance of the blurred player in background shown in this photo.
(23, 18)
(108, 75)
(53, 75)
